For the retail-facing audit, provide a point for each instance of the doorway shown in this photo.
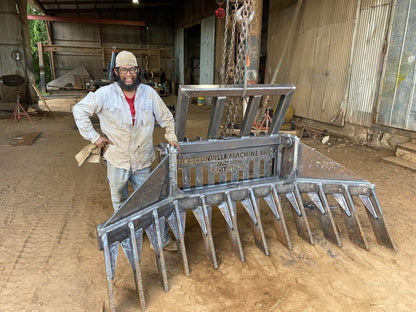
(192, 54)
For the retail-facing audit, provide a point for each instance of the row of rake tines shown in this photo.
(203, 214)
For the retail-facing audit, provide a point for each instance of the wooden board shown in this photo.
(411, 147)
(61, 103)
(400, 162)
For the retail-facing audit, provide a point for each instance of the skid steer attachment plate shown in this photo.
(219, 172)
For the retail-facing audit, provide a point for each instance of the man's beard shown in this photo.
(130, 87)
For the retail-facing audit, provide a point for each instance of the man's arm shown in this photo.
(165, 119)
(83, 111)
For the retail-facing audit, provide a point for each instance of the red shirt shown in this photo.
(132, 109)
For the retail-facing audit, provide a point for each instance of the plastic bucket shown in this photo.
(201, 101)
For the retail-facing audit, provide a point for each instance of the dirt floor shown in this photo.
(49, 257)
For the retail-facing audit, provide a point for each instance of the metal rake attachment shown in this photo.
(221, 172)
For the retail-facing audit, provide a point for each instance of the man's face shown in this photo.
(128, 77)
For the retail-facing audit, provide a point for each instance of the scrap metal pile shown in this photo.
(219, 172)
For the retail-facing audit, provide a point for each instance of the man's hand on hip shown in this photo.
(102, 142)
(175, 144)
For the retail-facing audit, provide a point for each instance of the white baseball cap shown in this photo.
(125, 58)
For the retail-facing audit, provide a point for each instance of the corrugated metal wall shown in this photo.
(397, 103)
(179, 56)
(107, 36)
(81, 35)
(207, 50)
(317, 61)
(11, 40)
(367, 61)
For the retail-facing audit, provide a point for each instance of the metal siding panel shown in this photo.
(75, 32)
(11, 40)
(88, 35)
(121, 34)
(279, 22)
(11, 30)
(368, 4)
(405, 79)
(322, 55)
(301, 72)
(320, 74)
(207, 50)
(8, 6)
(179, 55)
(337, 71)
(317, 61)
(397, 105)
(8, 66)
(367, 64)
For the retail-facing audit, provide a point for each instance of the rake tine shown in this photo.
(223, 207)
(249, 208)
(233, 231)
(327, 221)
(369, 205)
(341, 201)
(154, 232)
(199, 215)
(305, 229)
(354, 227)
(279, 223)
(380, 227)
(259, 236)
(302, 224)
(136, 242)
(126, 246)
(177, 223)
(209, 242)
(110, 272)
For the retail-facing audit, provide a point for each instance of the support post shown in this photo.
(41, 68)
(254, 41)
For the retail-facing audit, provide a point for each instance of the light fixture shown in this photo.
(135, 1)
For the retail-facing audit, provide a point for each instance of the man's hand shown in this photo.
(176, 144)
(102, 142)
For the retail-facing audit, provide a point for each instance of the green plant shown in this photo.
(38, 33)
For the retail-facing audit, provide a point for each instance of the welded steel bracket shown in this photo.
(217, 173)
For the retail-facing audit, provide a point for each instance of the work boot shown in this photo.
(171, 246)
(168, 245)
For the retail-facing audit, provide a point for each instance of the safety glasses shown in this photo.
(124, 70)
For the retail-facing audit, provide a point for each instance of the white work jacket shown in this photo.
(133, 145)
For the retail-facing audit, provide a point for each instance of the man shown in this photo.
(127, 110)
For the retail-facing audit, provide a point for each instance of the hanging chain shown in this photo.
(231, 64)
(224, 71)
(235, 69)
(244, 15)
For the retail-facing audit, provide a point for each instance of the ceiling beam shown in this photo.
(84, 20)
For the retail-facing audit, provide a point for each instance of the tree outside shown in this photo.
(38, 33)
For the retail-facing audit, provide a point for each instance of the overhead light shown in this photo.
(135, 1)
